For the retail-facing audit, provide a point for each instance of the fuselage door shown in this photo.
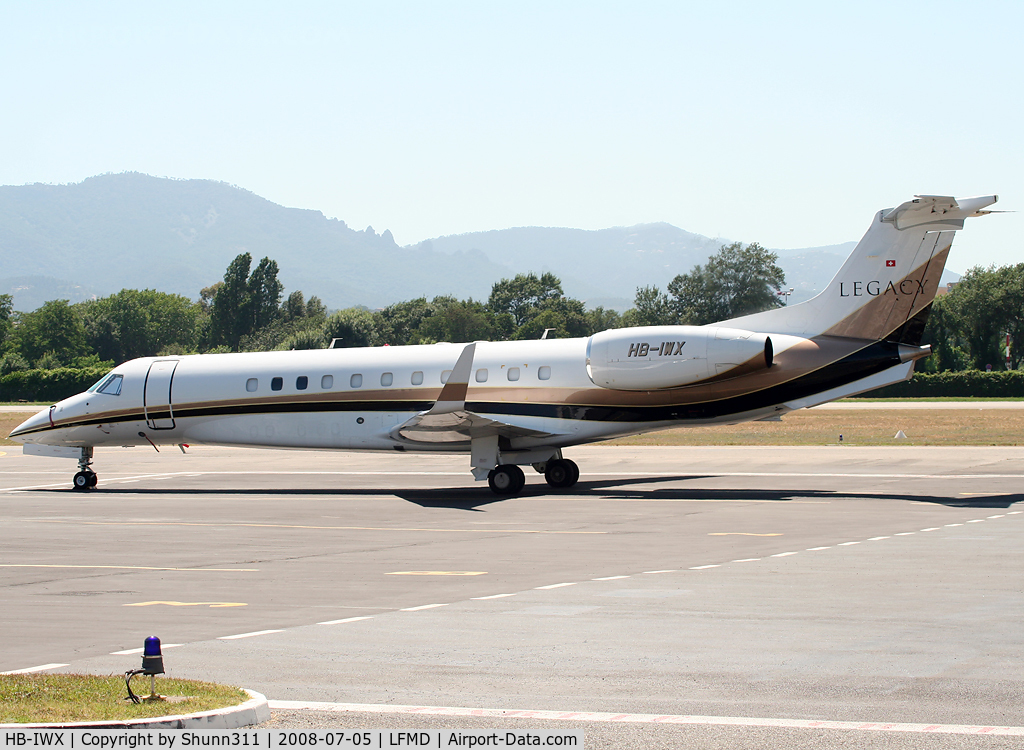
(157, 397)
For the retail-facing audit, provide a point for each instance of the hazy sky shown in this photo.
(788, 123)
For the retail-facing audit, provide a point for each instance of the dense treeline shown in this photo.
(248, 311)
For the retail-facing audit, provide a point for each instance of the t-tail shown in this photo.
(887, 285)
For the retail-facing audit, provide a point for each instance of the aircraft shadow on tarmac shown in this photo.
(636, 489)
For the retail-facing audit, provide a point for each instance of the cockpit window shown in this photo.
(111, 386)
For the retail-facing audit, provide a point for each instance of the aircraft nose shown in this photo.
(23, 432)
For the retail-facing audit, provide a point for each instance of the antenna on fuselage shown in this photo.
(546, 331)
(333, 342)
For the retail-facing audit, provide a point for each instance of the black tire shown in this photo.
(93, 479)
(562, 473)
(506, 480)
(84, 480)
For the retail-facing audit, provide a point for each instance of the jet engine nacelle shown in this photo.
(658, 357)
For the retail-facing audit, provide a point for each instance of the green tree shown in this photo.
(651, 307)
(735, 281)
(53, 329)
(601, 319)
(6, 308)
(245, 303)
(397, 324)
(229, 309)
(524, 296)
(135, 323)
(941, 332)
(264, 294)
(352, 326)
(456, 321)
(976, 308)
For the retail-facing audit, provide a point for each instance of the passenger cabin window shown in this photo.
(544, 373)
(301, 383)
(387, 379)
(445, 375)
(276, 384)
(513, 373)
(113, 385)
(481, 375)
(251, 385)
(417, 378)
(356, 381)
(327, 382)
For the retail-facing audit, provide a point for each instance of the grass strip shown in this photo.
(52, 698)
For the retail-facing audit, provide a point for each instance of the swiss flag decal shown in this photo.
(890, 264)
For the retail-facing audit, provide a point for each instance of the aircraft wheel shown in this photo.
(506, 480)
(562, 473)
(84, 480)
(93, 479)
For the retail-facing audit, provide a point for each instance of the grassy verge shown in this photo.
(858, 427)
(8, 421)
(50, 698)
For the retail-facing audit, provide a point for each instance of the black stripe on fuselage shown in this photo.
(868, 361)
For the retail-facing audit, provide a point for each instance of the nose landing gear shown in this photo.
(85, 479)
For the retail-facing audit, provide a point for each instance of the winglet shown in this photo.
(453, 395)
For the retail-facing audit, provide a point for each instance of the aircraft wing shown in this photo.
(448, 421)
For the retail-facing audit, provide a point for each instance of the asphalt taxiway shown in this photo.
(676, 597)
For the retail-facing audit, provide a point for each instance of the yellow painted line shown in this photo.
(132, 567)
(738, 533)
(190, 604)
(438, 573)
(3, 453)
(298, 526)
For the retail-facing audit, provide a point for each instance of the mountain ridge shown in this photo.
(133, 230)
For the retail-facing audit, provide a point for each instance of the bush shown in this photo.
(48, 385)
(963, 384)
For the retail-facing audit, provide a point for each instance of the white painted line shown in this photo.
(933, 528)
(815, 549)
(704, 567)
(878, 538)
(1014, 512)
(905, 533)
(139, 650)
(847, 544)
(624, 718)
(748, 559)
(423, 606)
(609, 578)
(784, 554)
(977, 520)
(40, 668)
(553, 586)
(129, 481)
(954, 524)
(492, 596)
(347, 619)
(1003, 515)
(247, 635)
(653, 572)
(782, 474)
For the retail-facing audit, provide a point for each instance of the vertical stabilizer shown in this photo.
(891, 276)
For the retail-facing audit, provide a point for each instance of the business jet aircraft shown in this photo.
(516, 403)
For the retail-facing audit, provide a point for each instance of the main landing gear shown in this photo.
(85, 479)
(508, 479)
